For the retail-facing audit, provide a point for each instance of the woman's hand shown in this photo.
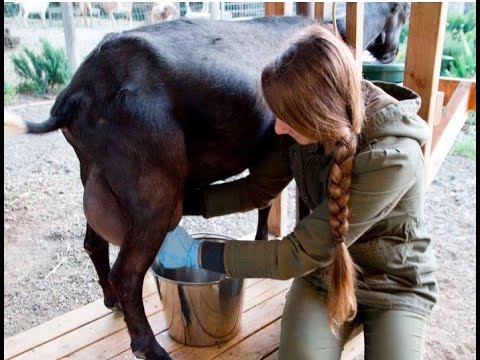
(179, 249)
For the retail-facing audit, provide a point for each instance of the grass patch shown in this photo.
(466, 145)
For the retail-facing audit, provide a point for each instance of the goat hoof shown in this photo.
(116, 307)
(157, 353)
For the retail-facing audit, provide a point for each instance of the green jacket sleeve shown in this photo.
(380, 179)
(267, 178)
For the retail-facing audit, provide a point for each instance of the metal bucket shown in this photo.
(202, 307)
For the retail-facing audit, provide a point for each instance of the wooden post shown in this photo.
(277, 220)
(423, 59)
(214, 9)
(355, 29)
(274, 8)
(306, 9)
(70, 35)
(319, 10)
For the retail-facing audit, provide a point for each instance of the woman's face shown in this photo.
(282, 128)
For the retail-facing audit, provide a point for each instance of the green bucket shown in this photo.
(384, 72)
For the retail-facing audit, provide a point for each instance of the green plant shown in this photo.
(9, 94)
(459, 54)
(460, 45)
(41, 72)
(461, 22)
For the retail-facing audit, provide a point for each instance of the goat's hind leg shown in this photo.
(97, 248)
(155, 208)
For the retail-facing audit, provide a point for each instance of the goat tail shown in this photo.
(14, 124)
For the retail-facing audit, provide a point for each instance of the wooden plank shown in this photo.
(117, 345)
(162, 338)
(448, 85)
(87, 334)
(267, 311)
(455, 115)
(119, 342)
(437, 119)
(354, 30)
(423, 58)
(319, 10)
(432, 126)
(274, 8)
(272, 356)
(63, 324)
(264, 345)
(355, 345)
(277, 219)
(461, 94)
(259, 346)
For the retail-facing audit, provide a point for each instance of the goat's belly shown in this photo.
(103, 212)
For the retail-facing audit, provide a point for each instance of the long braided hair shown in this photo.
(315, 87)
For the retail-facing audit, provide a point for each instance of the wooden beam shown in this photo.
(423, 58)
(277, 219)
(453, 119)
(439, 108)
(448, 85)
(319, 10)
(355, 29)
(306, 9)
(355, 345)
(274, 8)
(457, 100)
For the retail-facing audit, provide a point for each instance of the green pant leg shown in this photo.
(393, 334)
(305, 334)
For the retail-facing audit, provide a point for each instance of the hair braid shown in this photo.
(342, 303)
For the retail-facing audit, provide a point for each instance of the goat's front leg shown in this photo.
(97, 248)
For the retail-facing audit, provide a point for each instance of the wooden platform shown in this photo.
(95, 332)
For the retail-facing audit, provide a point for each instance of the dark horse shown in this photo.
(149, 112)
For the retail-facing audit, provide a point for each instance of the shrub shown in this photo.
(460, 44)
(459, 55)
(42, 72)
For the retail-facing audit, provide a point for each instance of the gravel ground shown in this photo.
(47, 273)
